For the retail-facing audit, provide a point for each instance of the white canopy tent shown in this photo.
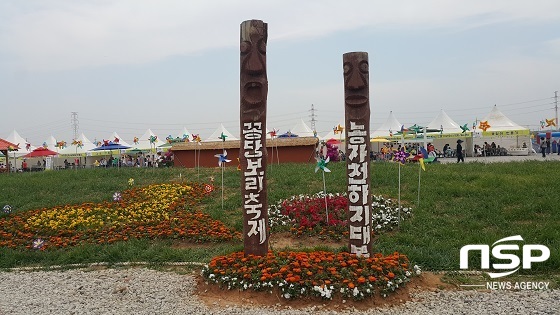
(390, 126)
(15, 138)
(50, 143)
(75, 149)
(184, 133)
(302, 130)
(215, 136)
(144, 142)
(503, 131)
(114, 136)
(443, 121)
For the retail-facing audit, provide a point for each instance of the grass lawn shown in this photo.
(460, 204)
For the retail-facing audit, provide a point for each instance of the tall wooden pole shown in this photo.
(252, 150)
(357, 145)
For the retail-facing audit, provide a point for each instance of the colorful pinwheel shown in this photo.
(400, 156)
(38, 243)
(273, 133)
(338, 129)
(222, 158)
(153, 139)
(185, 137)
(484, 125)
(223, 137)
(404, 130)
(542, 123)
(116, 140)
(416, 129)
(136, 140)
(322, 164)
(117, 196)
(7, 209)
(169, 139)
(196, 138)
(464, 128)
(78, 143)
(28, 146)
(59, 144)
(550, 122)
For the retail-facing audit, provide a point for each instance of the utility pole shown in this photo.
(313, 119)
(75, 124)
(556, 107)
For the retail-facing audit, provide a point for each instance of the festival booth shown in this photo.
(44, 158)
(25, 147)
(114, 139)
(16, 157)
(6, 148)
(498, 128)
(76, 153)
(448, 133)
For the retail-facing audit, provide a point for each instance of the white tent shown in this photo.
(184, 134)
(50, 143)
(499, 122)
(390, 126)
(75, 150)
(302, 130)
(444, 121)
(502, 131)
(144, 142)
(15, 138)
(115, 136)
(216, 135)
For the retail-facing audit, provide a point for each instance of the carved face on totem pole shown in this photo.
(254, 83)
(356, 82)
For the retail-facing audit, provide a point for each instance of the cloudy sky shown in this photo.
(130, 65)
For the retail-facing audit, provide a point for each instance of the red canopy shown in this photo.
(7, 145)
(40, 151)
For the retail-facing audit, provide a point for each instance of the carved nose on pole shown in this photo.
(356, 81)
(254, 64)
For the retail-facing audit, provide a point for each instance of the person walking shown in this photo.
(543, 147)
(459, 152)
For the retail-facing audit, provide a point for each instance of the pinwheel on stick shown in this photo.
(222, 160)
(322, 165)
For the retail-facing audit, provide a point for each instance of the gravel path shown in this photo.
(146, 291)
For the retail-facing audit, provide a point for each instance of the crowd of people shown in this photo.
(140, 160)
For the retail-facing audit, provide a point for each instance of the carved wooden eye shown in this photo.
(364, 67)
(245, 47)
(262, 47)
(347, 67)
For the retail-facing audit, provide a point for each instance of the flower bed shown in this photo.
(321, 274)
(304, 214)
(155, 211)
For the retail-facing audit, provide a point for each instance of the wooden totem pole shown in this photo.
(357, 115)
(252, 150)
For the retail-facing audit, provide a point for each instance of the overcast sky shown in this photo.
(130, 65)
